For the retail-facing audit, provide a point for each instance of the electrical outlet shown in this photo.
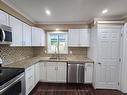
(1, 61)
(70, 52)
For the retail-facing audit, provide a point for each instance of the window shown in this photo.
(57, 42)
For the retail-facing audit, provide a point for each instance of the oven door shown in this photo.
(15, 86)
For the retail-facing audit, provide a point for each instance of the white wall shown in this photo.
(92, 51)
(124, 60)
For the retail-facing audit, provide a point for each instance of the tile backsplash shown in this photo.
(76, 52)
(14, 54)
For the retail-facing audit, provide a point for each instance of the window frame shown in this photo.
(49, 42)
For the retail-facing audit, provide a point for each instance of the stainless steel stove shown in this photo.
(12, 81)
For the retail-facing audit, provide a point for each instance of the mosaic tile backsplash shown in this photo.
(14, 54)
(76, 52)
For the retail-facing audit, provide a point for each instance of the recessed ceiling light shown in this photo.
(104, 11)
(57, 29)
(48, 12)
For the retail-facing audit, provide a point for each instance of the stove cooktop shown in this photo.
(7, 73)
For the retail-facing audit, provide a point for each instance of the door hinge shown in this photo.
(119, 59)
(121, 34)
(118, 83)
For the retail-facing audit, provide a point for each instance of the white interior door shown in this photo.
(107, 68)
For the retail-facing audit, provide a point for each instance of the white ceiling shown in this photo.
(71, 11)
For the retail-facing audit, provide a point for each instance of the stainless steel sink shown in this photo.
(58, 58)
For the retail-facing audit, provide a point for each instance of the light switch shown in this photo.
(1, 61)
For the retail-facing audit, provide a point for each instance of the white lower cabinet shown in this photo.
(29, 79)
(51, 71)
(61, 72)
(88, 72)
(43, 73)
(56, 72)
(36, 73)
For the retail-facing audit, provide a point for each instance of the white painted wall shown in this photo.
(124, 60)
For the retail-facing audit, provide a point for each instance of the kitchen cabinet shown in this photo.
(73, 38)
(84, 40)
(26, 35)
(51, 71)
(56, 72)
(16, 31)
(61, 72)
(79, 38)
(38, 37)
(29, 79)
(88, 72)
(3, 18)
(43, 71)
(36, 73)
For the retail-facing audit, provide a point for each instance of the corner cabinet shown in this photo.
(3, 18)
(88, 72)
(38, 37)
(79, 38)
(16, 31)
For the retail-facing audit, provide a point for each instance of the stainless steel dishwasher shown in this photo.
(75, 72)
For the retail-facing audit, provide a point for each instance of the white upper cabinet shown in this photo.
(26, 35)
(73, 37)
(38, 37)
(42, 37)
(3, 18)
(79, 38)
(16, 31)
(84, 38)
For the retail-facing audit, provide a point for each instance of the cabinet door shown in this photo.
(26, 35)
(73, 37)
(61, 72)
(3, 18)
(51, 72)
(29, 78)
(16, 31)
(36, 73)
(42, 37)
(43, 70)
(88, 72)
(35, 36)
(84, 38)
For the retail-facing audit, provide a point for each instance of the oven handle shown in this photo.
(4, 89)
(3, 32)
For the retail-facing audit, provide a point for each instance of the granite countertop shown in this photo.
(28, 62)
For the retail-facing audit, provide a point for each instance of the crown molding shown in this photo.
(65, 22)
(13, 6)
